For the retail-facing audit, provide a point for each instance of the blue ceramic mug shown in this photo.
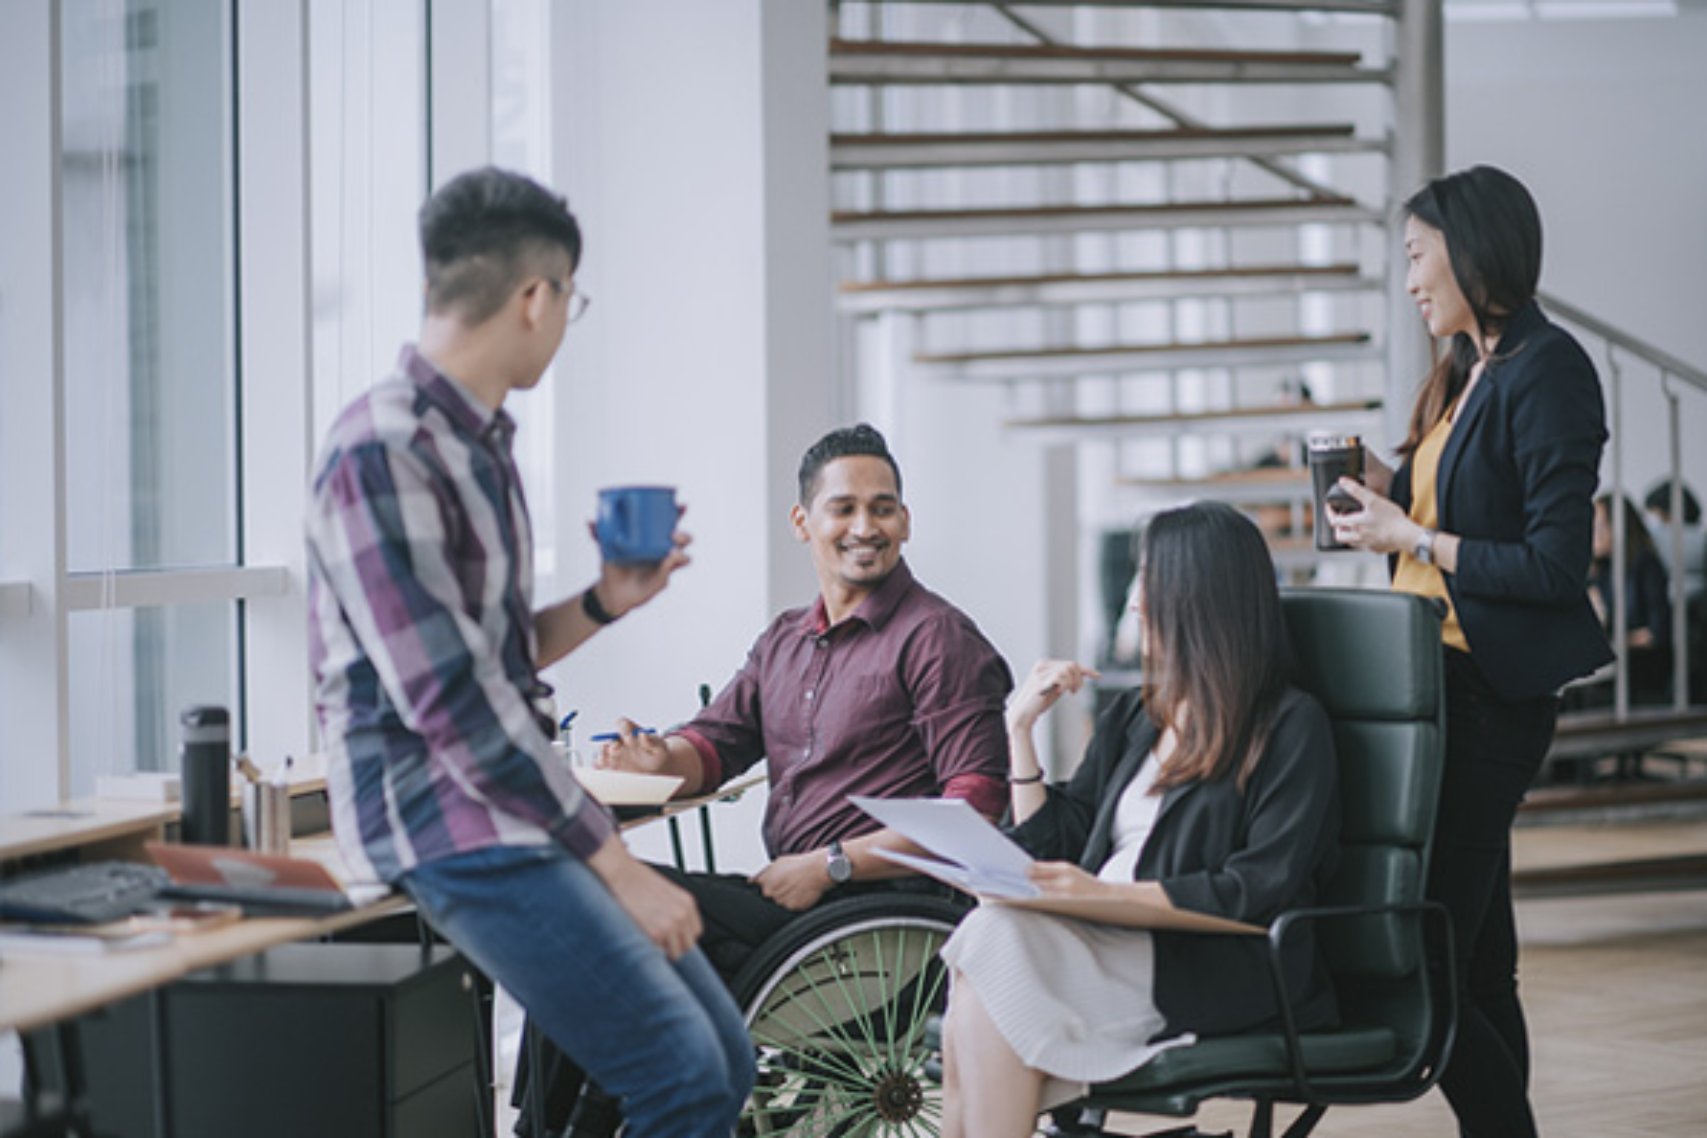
(636, 524)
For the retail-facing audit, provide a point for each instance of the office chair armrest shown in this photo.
(1282, 926)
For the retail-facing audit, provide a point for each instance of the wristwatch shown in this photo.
(838, 866)
(1423, 550)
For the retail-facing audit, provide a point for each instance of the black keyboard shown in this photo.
(88, 894)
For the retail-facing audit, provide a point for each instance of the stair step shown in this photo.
(951, 293)
(1360, 415)
(1264, 486)
(894, 62)
(884, 225)
(1364, 7)
(1057, 363)
(1581, 734)
(1639, 875)
(1020, 148)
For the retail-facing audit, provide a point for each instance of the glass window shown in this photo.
(149, 372)
(134, 671)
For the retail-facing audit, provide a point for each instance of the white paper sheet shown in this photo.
(957, 834)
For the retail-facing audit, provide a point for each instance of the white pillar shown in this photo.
(35, 767)
(1419, 115)
(276, 357)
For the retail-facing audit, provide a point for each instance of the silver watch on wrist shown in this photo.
(1423, 550)
(837, 864)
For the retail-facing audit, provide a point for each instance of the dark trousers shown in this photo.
(1494, 747)
(738, 918)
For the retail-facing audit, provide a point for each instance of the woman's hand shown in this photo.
(1378, 527)
(1049, 681)
(1064, 879)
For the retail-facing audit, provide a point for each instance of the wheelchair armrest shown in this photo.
(1283, 925)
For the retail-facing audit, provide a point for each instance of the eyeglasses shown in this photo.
(578, 300)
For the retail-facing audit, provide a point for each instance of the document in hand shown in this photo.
(974, 856)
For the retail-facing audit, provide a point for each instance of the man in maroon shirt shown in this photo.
(879, 687)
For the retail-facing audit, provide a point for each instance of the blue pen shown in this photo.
(608, 736)
(563, 727)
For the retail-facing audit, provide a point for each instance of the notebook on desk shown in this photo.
(265, 884)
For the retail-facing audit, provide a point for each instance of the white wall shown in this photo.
(691, 139)
(1603, 121)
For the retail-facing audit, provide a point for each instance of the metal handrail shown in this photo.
(1617, 341)
(1635, 345)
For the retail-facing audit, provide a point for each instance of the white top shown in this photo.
(1134, 818)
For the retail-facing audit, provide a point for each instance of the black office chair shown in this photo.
(1373, 659)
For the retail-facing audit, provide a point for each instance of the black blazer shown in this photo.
(1516, 484)
(1214, 850)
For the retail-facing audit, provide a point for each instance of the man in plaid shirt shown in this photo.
(426, 652)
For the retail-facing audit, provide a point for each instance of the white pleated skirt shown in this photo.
(1072, 998)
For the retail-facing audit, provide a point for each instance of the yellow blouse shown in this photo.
(1413, 576)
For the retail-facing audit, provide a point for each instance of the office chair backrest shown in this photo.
(1373, 660)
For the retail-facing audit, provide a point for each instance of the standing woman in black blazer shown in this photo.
(1490, 511)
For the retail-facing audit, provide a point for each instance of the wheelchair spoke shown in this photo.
(853, 1000)
(823, 1065)
(840, 1035)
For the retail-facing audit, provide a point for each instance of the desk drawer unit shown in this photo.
(321, 1040)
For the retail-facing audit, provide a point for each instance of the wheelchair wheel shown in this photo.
(836, 1005)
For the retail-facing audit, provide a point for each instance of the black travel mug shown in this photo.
(204, 761)
(1332, 456)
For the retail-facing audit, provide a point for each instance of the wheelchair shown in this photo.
(837, 1003)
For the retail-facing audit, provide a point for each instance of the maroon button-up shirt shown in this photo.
(901, 699)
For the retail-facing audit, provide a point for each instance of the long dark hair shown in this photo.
(1493, 241)
(1216, 639)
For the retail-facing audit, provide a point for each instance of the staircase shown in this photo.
(1144, 223)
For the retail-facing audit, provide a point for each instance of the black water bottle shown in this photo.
(205, 765)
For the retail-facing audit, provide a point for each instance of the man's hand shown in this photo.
(665, 912)
(624, 588)
(796, 882)
(633, 751)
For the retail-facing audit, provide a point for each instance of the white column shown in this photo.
(275, 360)
(34, 755)
(691, 139)
(1419, 127)
(459, 87)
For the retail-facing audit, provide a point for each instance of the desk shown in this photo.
(37, 990)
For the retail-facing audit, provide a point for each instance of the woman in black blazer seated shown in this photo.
(1212, 788)
(1491, 512)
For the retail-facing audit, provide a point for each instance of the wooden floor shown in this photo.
(1616, 992)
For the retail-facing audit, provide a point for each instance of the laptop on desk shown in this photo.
(264, 884)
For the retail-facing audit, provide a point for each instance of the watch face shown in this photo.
(839, 867)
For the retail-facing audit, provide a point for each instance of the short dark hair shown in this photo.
(1637, 539)
(843, 442)
(1218, 642)
(483, 231)
(1658, 499)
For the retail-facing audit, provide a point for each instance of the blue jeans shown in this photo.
(662, 1035)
